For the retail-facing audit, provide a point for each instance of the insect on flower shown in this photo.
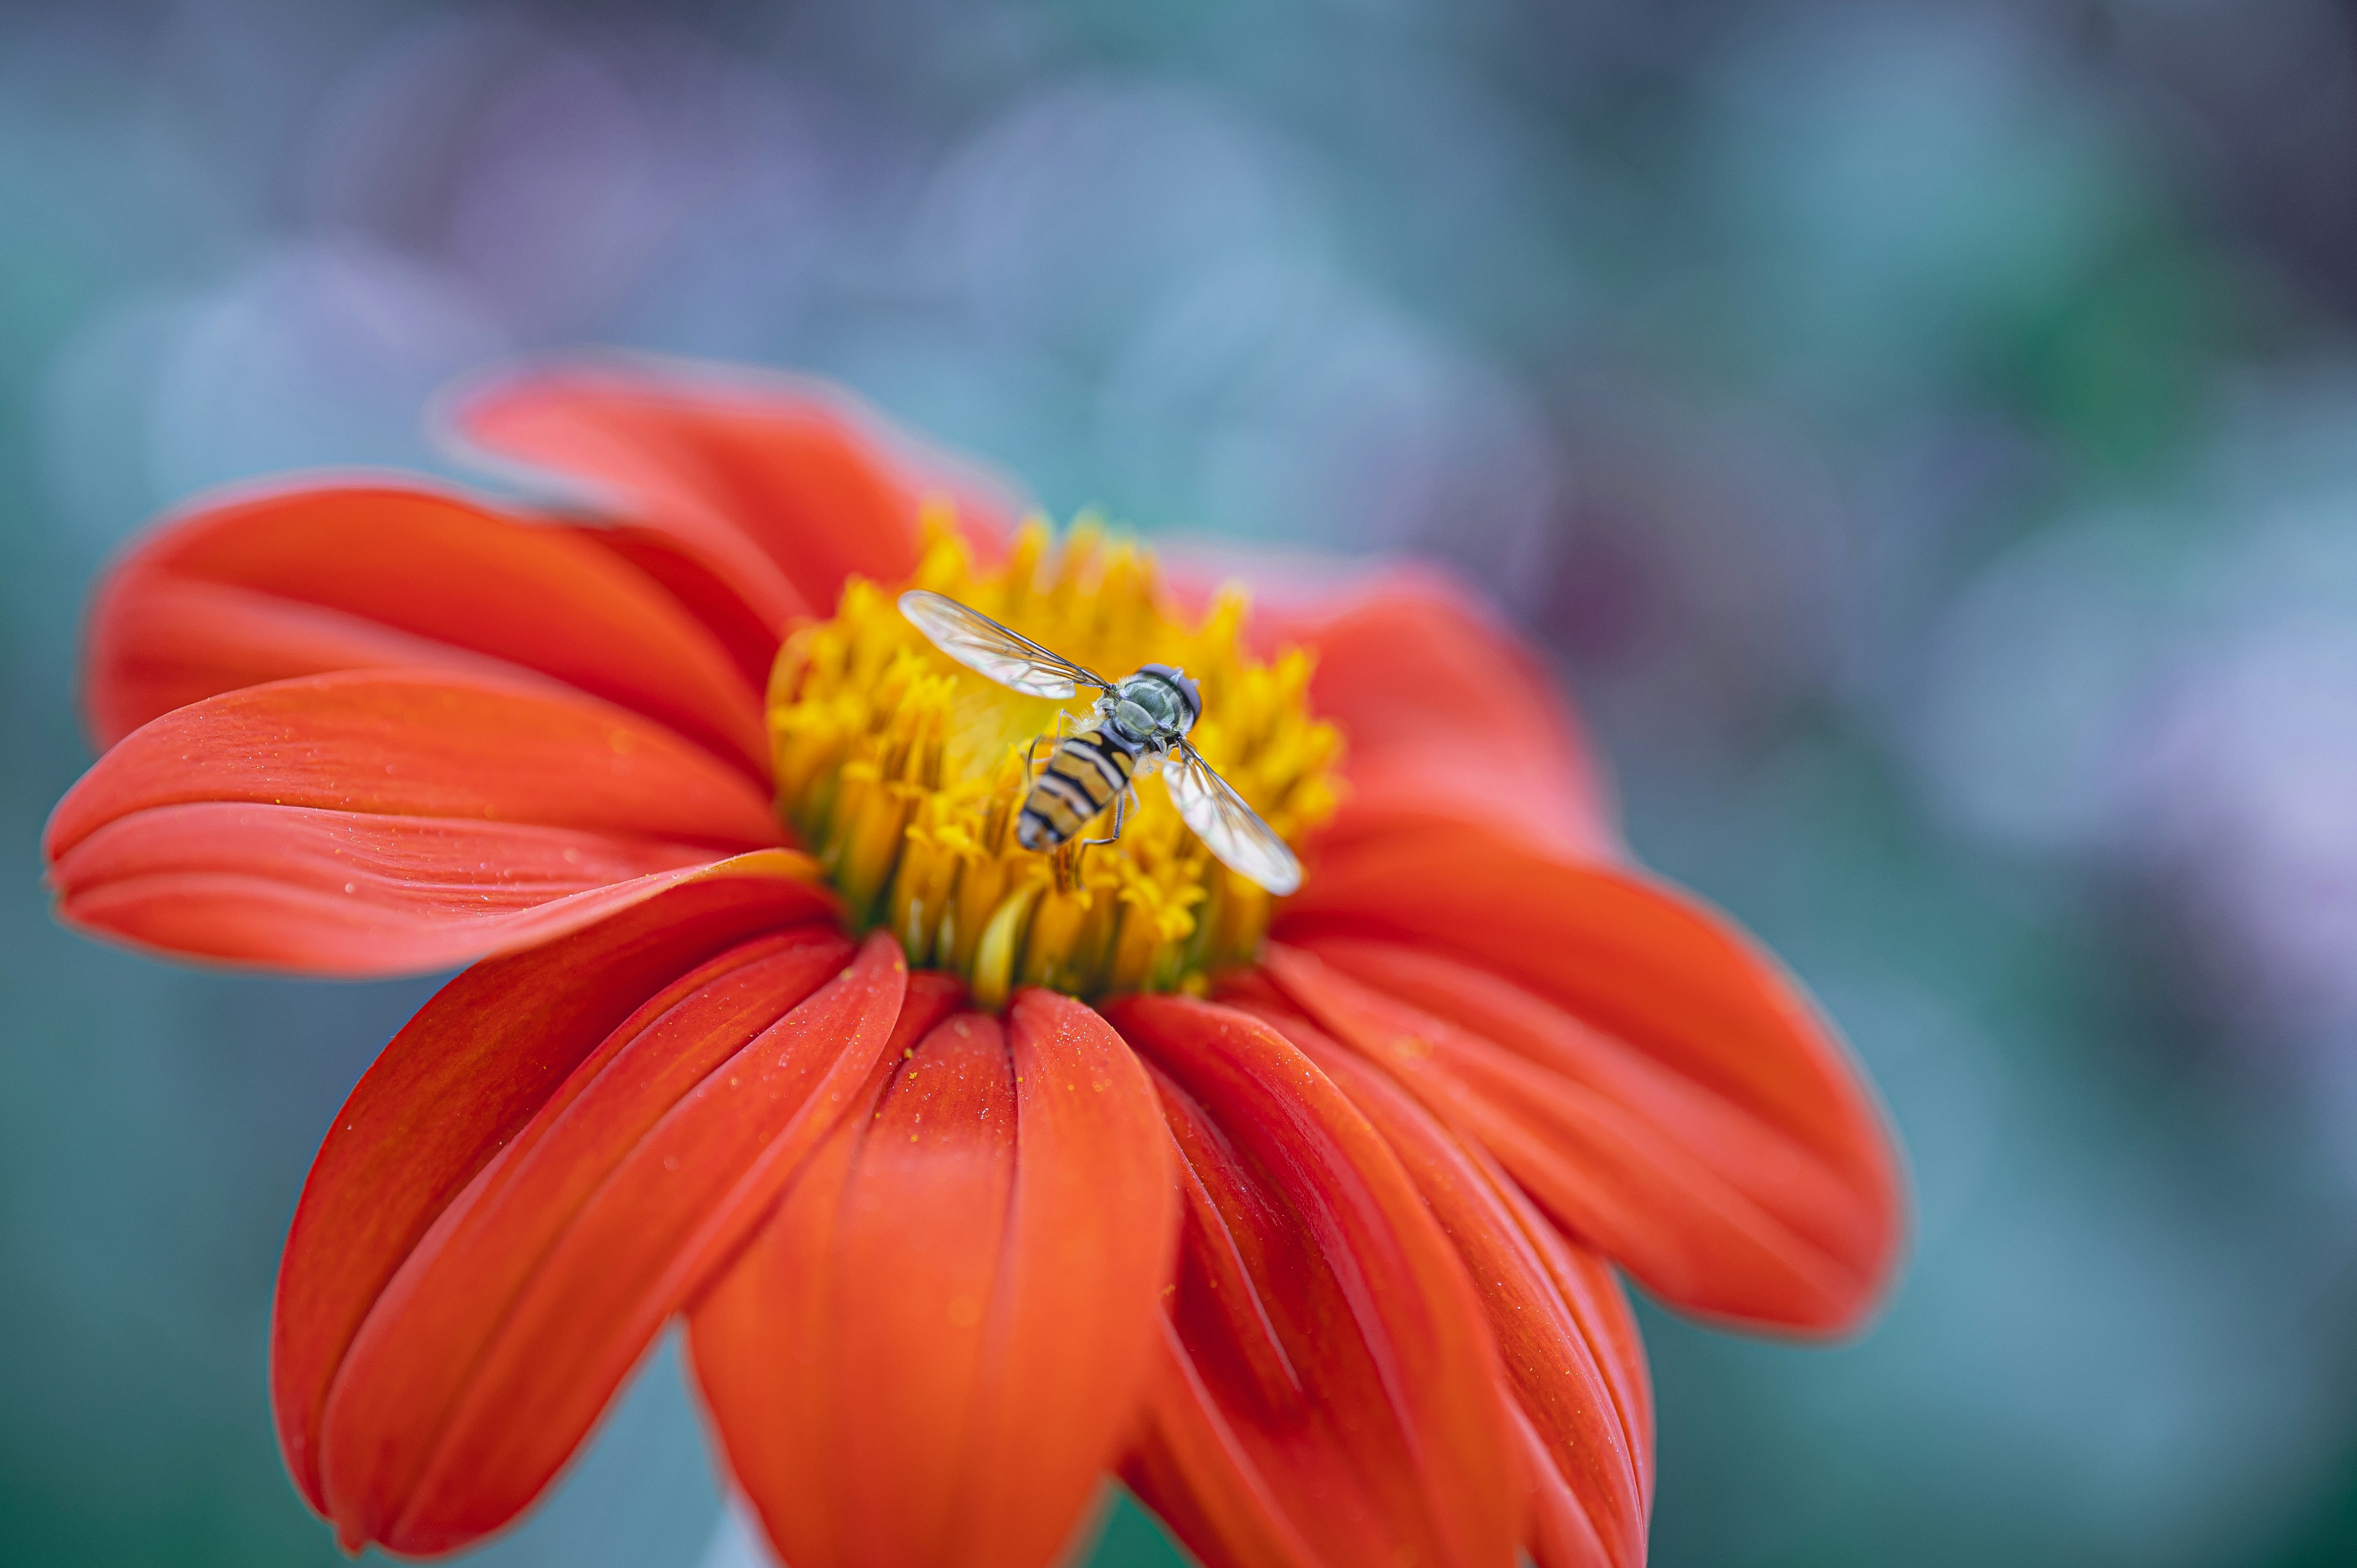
(1138, 724)
(973, 1185)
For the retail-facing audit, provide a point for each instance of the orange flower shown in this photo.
(975, 1173)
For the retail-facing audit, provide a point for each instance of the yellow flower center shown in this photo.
(904, 772)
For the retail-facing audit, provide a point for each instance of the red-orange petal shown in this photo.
(750, 640)
(465, 1075)
(778, 489)
(934, 1350)
(1447, 714)
(490, 1352)
(375, 821)
(1331, 1394)
(1564, 1330)
(1662, 1086)
(303, 581)
(420, 744)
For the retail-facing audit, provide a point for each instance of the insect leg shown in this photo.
(1054, 738)
(1120, 813)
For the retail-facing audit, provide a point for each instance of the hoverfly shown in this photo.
(1138, 724)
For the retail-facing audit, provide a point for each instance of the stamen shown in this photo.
(905, 773)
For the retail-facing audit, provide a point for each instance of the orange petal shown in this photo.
(1448, 715)
(376, 821)
(465, 1076)
(752, 642)
(934, 1350)
(1331, 1394)
(778, 489)
(303, 581)
(1564, 1330)
(1661, 1086)
(401, 743)
(492, 1349)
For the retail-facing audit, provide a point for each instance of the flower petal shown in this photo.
(1564, 1330)
(1448, 715)
(751, 642)
(360, 899)
(415, 744)
(1659, 1085)
(934, 1350)
(489, 1353)
(303, 581)
(1331, 1394)
(778, 487)
(376, 821)
(461, 1079)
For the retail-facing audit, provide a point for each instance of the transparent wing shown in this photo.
(1229, 828)
(982, 645)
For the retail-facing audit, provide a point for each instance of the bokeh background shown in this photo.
(1923, 435)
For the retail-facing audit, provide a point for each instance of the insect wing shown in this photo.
(1229, 829)
(982, 645)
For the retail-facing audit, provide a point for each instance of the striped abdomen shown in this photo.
(1081, 779)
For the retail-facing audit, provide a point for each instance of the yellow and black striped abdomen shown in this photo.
(1081, 779)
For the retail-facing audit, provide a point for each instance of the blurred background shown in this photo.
(1924, 436)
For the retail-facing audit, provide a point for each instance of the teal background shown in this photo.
(1923, 435)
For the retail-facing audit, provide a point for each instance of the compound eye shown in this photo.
(1186, 702)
